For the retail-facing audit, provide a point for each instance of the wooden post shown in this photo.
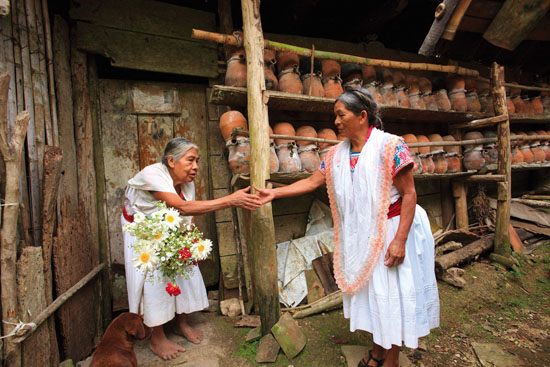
(262, 232)
(502, 234)
(11, 145)
(460, 193)
(442, 15)
(456, 18)
(514, 21)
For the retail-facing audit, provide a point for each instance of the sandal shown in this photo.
(362, 363)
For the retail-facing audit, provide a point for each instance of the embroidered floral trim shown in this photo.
(377, 243)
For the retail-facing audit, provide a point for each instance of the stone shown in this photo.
(453, 276)
(84, 363)
(490, 354)
(353, 354)
(213, 295)
(230, 307)
(422, 345)
(404, 361)
(268, 349)
(289, 335)
(67, 363)
(212, 305)
(253, 335)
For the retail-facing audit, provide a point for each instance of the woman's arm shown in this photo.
(297, 188)
(239, 199)
(404, 182)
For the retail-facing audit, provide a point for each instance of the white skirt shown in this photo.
(149, 297)
(399, 304)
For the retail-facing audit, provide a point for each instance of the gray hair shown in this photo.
(357, 99)
(177, 148)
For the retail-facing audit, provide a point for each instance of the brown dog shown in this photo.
(116, 348)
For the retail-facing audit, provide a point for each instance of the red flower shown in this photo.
(185, 252)
(172, 290)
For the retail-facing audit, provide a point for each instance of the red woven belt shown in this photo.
(395, 209)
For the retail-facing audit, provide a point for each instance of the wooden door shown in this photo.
(137, 120)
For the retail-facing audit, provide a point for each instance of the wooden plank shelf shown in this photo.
(236, 96)
(529, 119)
(240, 180)
(521, 166)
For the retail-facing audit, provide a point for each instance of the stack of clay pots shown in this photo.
(490, 151)
(425, 87)
(414, 94)
(287, 150)
(328, 134)
(453, 157)
(289, 72)
(472, 98)
(425, 155)
(473, 154)
(332, 82)
(238, 146)
(409, 139)
(308, 150)
(438, 154)
(456, 87)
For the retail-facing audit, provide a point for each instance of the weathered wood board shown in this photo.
(148, 52)
(154, 132)
(71, 259)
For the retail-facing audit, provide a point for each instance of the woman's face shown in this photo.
(347, 123)
(185, 169)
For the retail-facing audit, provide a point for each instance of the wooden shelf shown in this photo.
(521, 166)
(529, 119)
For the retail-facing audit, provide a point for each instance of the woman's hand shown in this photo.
(242, 199)
(266, 195)
(395, 254)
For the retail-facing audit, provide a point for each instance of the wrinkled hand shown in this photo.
(395, 254)
(266, 195)
(242, 199)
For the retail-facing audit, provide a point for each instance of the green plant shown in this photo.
(248, 350)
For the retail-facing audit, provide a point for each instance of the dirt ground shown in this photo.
(507, 308)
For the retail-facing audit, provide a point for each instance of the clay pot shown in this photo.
(373, 89)
(458, 100)
(519, 104)
(473, 102)
(230, 120)
(490, 149)
(510, 106)
(427, 163)
(456, 82)
(546, 104)
(472, 135)
(388, 96)
(290, 82)
(271, 82)
(454, 163)
(430, 102)
(369, 74)
(284, 128)
(328, 134)
(434, 138)
(544, 145)
(399, 79)
(352, 74)
(443, 102)
(451, 148)
(273, 159)
(528, 106)
(332, 86)
(387, 76)
(473, 159)
(425, 85)
(486, 102)
(289, 161)
(438, 154)
(528, 156)
(239, 155)
(402, 98)
(307, 131)
(416, 101)
(412, 84)
(536, 103)
(482, 87)
(235, 75)
(470, 85)
(309, 155)
(409, 139)
(514, 92)
(544, 93)
(538, 152)
(330, 68)
(312, 82)
(522, 141)
(423, 139)
(516, 156)
(287, 60)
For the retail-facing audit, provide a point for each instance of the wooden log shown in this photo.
(514, 21)
(503, 260)
(326, 303)
(64, 90)
(51, 75)
(262, 232)
(536, 197)
(502, 234)
(463, 255)
(485, 178)
(453, 24)
(438, 26)
(11, 144)
(278, 46)
(489, 121)
(53, 158)
(534, 203)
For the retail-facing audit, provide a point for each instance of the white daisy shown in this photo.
(139, 217)
(201, 249)
(145, 259)
(172, 218)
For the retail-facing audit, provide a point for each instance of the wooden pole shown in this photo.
(451, 28)
(278, 46)
(11, 145)
(514, 21)
(442, 15)
(460, 192)
(262, 232)
(502, 234)
(51, 79)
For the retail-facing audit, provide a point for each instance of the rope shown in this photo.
(10, 204)
(20, 326)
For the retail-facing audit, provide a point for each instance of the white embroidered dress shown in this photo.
(150, 297)
(398, 304)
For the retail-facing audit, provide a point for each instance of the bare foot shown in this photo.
(193, 335)
(167, 350)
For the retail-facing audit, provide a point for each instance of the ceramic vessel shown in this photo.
(443, 102)
(330, 68)
(273, 159)
(425, 156)
(235, 75)
(239, 155)
(290, 81)
(438, 154)
(332, 87)
(352, 74)
(458, 100)
(456, 82)
(546, 105)
(409, 139)
(416, 101)
(473, 159)
(388, 96)
(430, 102)
(308, 132)
(287, 60)
(510, 106)
(473, 102)
(284, 128)
(328, 134)
(373, 89)
(313, 85)
(544, 144)
(519, 104)
(309, 156)
(369, 74)
(490, 149)
(486, 102)
(402, 97)
(425, 85)
(289, 160)
(536, 103)
(473, 135)
(230, 120)
(412, 84)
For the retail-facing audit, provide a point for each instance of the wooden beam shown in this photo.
(514, 21)
(479, 25)
(489, 121)
(502, 233)
(456, 19)
(485, 178)
(438, 26)
(262, 231)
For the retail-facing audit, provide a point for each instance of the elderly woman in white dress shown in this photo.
(170, 181)
(383, 246)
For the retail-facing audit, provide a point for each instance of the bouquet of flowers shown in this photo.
(165, 244)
